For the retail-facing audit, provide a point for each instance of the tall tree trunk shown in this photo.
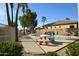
(24, 30)
(43, 24)
(43, 27)
(8, 16)
(16, 23)
(11, 5)
(12, 14)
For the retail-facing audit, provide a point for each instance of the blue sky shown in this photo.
(52, 11)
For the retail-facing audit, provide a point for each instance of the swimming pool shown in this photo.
(56, 36)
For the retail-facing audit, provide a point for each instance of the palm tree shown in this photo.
(24, 7)
(8, 15)
(24, 22)
(16, 19)
(19, 5)
(43, 20)
(35, 23)
(28, 20)
(11, 5)
(33, 20)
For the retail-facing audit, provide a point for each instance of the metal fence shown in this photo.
(7, 33)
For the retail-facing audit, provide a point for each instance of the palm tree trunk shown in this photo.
(11, 5)
(8, 16)
(43, 24)
(43, 27)
(24, 30)
(16, 24)
(12, 13)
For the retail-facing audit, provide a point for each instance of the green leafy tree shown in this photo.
(24, 7)
(33, 21)
(28, 20)
(24, 21)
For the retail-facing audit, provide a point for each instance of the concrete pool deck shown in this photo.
(57, 45)
(32, 47)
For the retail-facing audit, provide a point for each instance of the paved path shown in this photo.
(30, 46)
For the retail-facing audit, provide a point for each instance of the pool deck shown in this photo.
(57, 45)
(32, 47)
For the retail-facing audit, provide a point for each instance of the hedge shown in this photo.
(10, 49)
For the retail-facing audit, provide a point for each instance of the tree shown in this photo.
(24, 21)
(16, 19)
(11, 23)
(24, 7)
(33, 25)
(43, 20)
(8, 15)
(33, 21)
(10, 19)
(11, 5)
(28, 20)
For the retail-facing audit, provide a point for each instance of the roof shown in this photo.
(38, 28)
(61, 22)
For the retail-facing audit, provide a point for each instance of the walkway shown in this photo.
(30, 46)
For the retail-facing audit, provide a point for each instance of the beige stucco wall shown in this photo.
(41, 31)
(61, 26)
(8, 34)
(60, 29)
(12, 32)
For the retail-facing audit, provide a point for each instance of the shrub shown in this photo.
(10, 48)
(73, 50)
(52, 54)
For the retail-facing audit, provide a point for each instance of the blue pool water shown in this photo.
(56, 36)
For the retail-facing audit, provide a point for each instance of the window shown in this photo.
(72, 26)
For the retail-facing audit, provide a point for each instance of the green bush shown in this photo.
(73, 50)
(52, 54)
(10, 48)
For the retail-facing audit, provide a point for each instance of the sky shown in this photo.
(52, 11)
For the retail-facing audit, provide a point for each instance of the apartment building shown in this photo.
(62, 27)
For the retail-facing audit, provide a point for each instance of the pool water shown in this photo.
(56, 36)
